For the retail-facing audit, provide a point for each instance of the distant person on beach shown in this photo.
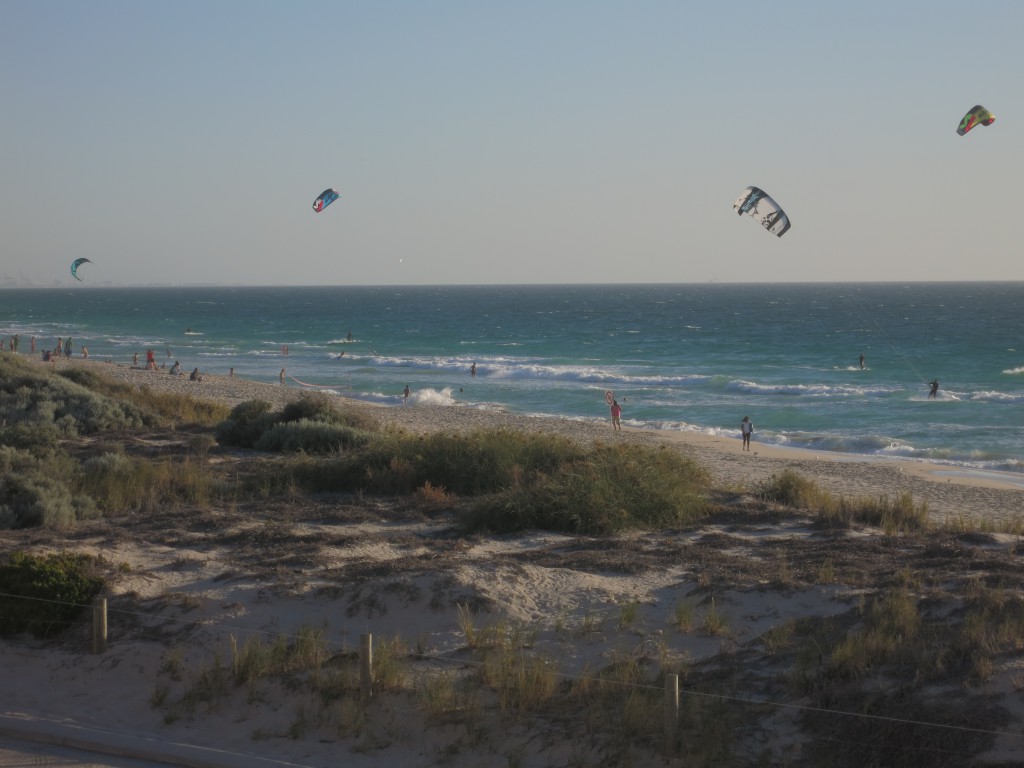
(176, 369)
(472, 370)
(933, 388)
(746, 429)
(33, 342)
(862, 361)
(135, 360)
(405, 394)
(67, 347)
(194, 376)
(85, 353)
(231, 373)
(616, 415)
(150, 360)
(282, 377)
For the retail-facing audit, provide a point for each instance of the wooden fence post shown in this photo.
(366, 666)
(99, 624)
(671, 714)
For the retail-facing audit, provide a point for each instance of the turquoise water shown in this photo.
(684, 357)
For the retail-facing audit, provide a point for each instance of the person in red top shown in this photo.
(616, 413)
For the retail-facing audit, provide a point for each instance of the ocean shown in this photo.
(676, 357)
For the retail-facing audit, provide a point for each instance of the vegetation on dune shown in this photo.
(797, 492)
(312, 424)
(44, 595)
(892, 655)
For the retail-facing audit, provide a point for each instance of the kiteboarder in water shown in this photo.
(933, 388)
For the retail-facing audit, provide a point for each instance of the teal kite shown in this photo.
(75, 265)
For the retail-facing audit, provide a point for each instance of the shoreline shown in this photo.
(950, 492)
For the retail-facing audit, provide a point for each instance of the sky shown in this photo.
(480, 142)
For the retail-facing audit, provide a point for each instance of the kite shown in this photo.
(763, 209)
(327, 197)
(978, 115)
(75, 265)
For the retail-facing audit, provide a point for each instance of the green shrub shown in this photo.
(471, 464)
(320, 407)
(308, 436)
(45, 595)
(37, 397)
(35, 490)
(612, 488)
(246, 422)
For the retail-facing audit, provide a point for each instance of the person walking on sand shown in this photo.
(616, 414)
(746, 429)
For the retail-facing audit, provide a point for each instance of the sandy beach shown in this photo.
(191, 583)
(950, 493)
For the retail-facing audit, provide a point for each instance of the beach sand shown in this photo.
(352, 566)
(951, 493)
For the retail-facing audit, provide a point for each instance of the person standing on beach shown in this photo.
(616, 414)
(405, 394)
(282, 377)
(746, 429)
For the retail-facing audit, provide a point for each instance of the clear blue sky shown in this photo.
(508, 142)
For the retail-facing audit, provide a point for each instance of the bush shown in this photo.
(34, 490)
(320, 407)
(309, 436)
(38, 398)
(613, 488)
(245, 424)
(44, 595)
(470, 464)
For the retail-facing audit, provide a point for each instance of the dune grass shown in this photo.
(896, 515)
